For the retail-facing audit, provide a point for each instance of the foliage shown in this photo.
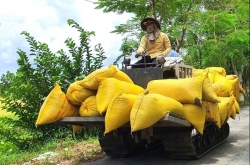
(6, 146)
(35, 78)
(88, 132)
(13, 138)
(127, 48)
(67, 149)
(205, 33)
(6, 82)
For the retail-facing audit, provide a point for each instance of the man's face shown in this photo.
(149, 26)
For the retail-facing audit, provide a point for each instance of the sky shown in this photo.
(46, 21)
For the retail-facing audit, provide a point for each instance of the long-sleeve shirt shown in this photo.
(160, 46)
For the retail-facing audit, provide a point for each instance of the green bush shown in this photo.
(6, 146)
(36, 77)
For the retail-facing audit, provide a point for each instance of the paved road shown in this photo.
(234, 151)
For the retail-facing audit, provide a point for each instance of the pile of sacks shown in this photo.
(209, 95)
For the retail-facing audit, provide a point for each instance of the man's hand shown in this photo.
(160, 60)
(138, 54)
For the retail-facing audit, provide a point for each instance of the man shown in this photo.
(154, 42)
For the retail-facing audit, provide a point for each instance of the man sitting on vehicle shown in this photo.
(155, 43)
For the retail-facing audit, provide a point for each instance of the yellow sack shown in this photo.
(226, 107)
(208, 93)
(222, 86)
(236, 88)
(212, 112)
(76, 94)
(118, 112)
(55, 107)
(195, 115)
(150, 108)
(185, 91)
(235, 85)
(231, 77)
(109, 87)
(235, 110)
(120, 75)
(76, 128)
(91, 81)
(211, 77)
(88, 107)
(233, 114)
(237, 107)
(242, 90)
(218, 70)
(197, 72)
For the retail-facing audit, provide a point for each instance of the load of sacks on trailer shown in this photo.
(209, 95)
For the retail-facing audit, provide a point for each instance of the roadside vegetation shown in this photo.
(74, 149)
(22, 95)
(205, 33)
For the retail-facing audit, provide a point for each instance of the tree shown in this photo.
(35, 79)
(6, 82)
(127, 48)
(206, 33)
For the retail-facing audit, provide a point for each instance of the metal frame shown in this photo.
(183, 71)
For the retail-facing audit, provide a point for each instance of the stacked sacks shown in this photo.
(81, 96)
(116, 93)
(197, 96)
(227, 89)
(210, 108)
(233, 89)
(188, 92)
(110, 92)
(83, 93)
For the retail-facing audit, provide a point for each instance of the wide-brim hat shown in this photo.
(150, 19)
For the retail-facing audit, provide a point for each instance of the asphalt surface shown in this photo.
(234, 151)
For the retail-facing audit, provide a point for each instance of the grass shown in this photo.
(70, 152)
